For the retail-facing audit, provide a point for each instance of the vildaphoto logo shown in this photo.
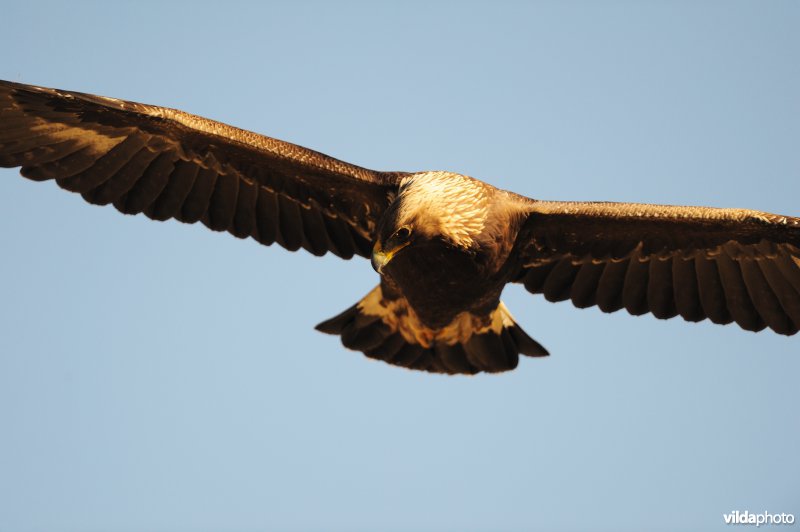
(764, 518)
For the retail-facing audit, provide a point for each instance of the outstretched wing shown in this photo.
(722, 264)
(170, 164)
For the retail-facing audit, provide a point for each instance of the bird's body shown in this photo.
(445, 244)
(463, 233)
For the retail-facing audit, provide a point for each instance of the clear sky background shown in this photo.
(159, 376)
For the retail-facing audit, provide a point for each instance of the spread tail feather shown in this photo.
(387, 329)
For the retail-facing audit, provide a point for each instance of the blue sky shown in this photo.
(158, 376)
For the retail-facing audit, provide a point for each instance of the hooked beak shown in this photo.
(381, 258)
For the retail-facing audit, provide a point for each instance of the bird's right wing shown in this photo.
(170, 164)
(722, 264)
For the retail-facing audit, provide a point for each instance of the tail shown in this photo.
(385, 328)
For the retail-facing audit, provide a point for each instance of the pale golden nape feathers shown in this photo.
(444, 204)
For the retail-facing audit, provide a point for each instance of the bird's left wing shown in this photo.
(170, 164)
(722, 264)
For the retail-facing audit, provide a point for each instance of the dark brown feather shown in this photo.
(222, 204)
(340, 237)
(634, 289)
(482, 352)
(711, 292)
(558, 284)
(609, 286)
(764, 300)
(316, 237)
(290, 224)
(388, 349)
(365, 337)
(196, 203)
(267, 216)
(425, 361)
(535, 277)
(584, 288)
(788, 297)
(336, 324)
(244, 218)
(739, 303)
(685, 290)
(660, 296)
(66, 166)
(407, 355)
(454, 359)
(31, 142)
(179, 184)
(105, 167)
(50, 150)
(122, 181)
(151, 183)
(524, 343)
(790, 268)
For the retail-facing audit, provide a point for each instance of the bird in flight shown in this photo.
(445, 245)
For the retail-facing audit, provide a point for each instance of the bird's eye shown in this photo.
(402, 234)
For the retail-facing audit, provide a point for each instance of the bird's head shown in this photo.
(432, 207)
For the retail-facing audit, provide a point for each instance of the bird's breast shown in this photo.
(440, 281)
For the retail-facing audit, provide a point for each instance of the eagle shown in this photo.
(444, 245)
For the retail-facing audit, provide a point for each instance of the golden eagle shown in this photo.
(444, 244)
